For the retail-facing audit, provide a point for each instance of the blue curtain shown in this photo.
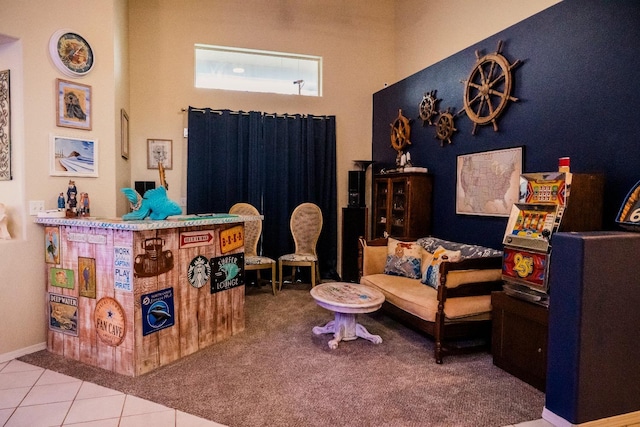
(224, 160)
(274, 162)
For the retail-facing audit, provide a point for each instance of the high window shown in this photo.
(219, 67)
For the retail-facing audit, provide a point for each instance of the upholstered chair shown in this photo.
(252, 233)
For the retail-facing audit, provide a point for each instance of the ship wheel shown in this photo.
(400, 131)
(488, 88)
(445, 127)
(427, 107)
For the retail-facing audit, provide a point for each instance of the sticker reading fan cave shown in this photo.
(110, 321)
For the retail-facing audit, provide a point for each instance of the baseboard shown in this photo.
(5, 357)
(623, 420)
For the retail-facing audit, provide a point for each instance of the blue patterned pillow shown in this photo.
(430, 244)
(403, 259)
(431, 275)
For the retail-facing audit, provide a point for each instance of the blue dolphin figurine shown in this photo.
(154, 204)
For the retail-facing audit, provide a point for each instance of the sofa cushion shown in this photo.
(430, 244)
(403, 259)
(431, 275)
(422, 301)
(374, 259)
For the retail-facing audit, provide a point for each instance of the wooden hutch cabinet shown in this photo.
(402, 205)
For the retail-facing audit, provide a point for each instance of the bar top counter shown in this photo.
(177, 221)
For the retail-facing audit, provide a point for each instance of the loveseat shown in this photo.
(439, 287)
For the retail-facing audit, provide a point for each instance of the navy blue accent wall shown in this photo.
(579, 96)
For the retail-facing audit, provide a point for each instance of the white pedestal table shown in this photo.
(346, 300)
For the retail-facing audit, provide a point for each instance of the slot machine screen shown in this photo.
(530, 226)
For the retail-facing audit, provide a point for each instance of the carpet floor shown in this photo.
(278, 373)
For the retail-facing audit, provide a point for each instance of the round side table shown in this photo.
(346, 300)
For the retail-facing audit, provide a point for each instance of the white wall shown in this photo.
(430, 31)
(33, 103)
(355, 39)
(365, 44)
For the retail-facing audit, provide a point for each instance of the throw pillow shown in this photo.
(403, 259)
(430, 244)
(431, 276)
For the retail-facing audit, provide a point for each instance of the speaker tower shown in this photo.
(356, 188)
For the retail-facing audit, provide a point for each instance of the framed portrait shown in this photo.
(124, 134)
(488, 182)
(159, 150)
(73, 109)
(73, 156)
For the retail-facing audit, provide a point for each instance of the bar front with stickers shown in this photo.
(131, 296)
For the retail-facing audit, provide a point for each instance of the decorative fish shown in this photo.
(155, 204)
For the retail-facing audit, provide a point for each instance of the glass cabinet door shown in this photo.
(382, 198)
(398, 206)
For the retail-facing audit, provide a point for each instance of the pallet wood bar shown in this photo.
(132, 296)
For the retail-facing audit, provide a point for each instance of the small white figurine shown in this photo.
(4, 219)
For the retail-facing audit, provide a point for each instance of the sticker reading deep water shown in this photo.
(63, 314)
(227, 272)
(157, 311)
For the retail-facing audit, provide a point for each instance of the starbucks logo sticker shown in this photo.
(199, 271)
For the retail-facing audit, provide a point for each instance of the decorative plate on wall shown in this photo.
(71, 53)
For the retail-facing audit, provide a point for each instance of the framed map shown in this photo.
(488, 182)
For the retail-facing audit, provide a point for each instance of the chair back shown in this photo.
(252, 229)
(306, 225)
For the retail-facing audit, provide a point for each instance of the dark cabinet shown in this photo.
(519, 338)
(402, 205)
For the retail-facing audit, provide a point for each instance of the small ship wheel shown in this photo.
(427, 108)
(445, 128)
(400, 132)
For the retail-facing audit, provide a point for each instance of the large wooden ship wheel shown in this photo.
(400, 132)
(488, 88)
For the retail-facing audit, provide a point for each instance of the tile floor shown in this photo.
(31, 396)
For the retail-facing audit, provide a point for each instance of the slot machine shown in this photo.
(527, 239)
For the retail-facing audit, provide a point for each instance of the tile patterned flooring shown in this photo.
(31, 396)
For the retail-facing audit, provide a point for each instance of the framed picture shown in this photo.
(73, 108)
(87, 277)
(73, 156)
(159, 150)
(488, 182)
(124, 134)
(52, 245)
(61, 277)
(5, 125)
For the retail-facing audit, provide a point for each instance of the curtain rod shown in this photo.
(244, 113)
